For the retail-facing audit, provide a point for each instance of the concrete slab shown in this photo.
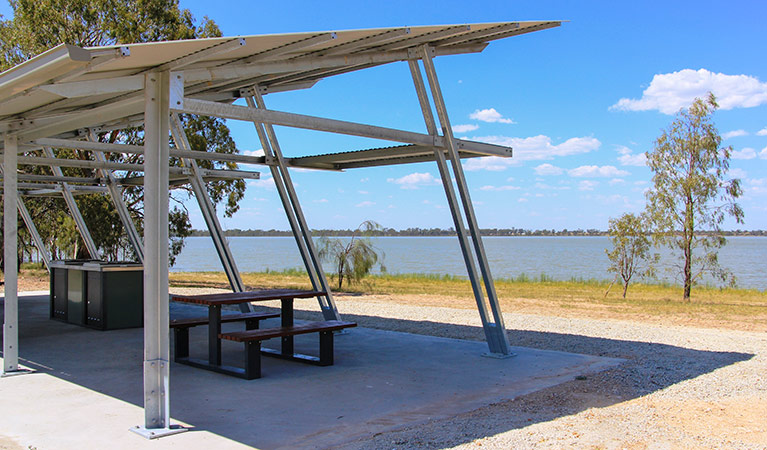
(87, 390)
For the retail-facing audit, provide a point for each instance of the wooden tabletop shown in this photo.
(232, 298)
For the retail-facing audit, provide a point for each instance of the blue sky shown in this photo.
(580, 104)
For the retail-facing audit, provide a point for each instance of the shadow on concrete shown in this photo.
(382, 380)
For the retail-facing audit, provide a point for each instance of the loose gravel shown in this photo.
(680, 387)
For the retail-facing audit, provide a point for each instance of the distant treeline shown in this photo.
(425, 232)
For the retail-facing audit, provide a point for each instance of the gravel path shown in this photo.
(680, 387)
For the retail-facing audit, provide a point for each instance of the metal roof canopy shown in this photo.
(67, 93)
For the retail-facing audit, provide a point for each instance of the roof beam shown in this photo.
(194, 57)
(292, 47)
(367, 41)
(477, 34)
(75, 89)
(57, 179)
(139, 150)
(424, 38)
(236, 71)
(272, 117)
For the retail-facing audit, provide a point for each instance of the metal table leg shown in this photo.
(214, 329)
(287, 321)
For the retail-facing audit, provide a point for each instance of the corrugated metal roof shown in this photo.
(74, 87)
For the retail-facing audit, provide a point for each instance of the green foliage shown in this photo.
(691, 194)
(629, 235)
(39, 25)
(354, 259)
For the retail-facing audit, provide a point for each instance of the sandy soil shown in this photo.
(681, 387)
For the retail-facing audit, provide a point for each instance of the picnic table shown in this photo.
(252, 336)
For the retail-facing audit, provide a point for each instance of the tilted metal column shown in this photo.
(27, 218)
(73, 209)
(292, 207)
(39, 244)
(495, 330)
(115, 193)
(156, 303)
(208, 211)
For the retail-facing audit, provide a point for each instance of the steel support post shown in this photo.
(33, 231)
(156, 303)
(27, 218)
(73, 209)
(293, 210)
(208, 211)
(11, 300)
(115, 193)
(495, 331)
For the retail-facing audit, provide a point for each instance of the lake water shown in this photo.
(559, 257)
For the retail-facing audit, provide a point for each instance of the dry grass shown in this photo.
(738, 309)
(741, 309)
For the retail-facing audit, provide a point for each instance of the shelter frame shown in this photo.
(69, 93)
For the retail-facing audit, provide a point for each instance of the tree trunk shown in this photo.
(625, 288)
(687, 270)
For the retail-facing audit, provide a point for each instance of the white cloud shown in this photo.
(322, 200)
(762, 132)
(547, 187)
(364, 180)
(364, 204)
(734, 133)
(738, 173)
(522, 200)
(263, 183)
(615, 181)
(670, 92)
(489, 115)
(499, 188)
(756, 186)
(548, 169)
(746, 153)
(597, 171)
(464, 128)
(529, 149)
(415, 180)
(640, 159)
(363, 192)
(587, 185)
(259, 152)
(763, 153)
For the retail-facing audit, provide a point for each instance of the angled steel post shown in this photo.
(495, 331)
(73, 209)
(293, 210)
(156, 302)
(115, 193)
(27, 218)
(208, 211)
(39, 244)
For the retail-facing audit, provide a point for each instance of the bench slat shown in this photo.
(195, 321)
(269, 333)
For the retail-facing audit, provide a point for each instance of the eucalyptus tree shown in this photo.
(691, 194)
(631, 252)
(38, 25)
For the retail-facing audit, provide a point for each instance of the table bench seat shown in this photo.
(252, 340)
(181, 328)
(196, 321)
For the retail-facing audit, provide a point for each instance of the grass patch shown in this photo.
(744, 309)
